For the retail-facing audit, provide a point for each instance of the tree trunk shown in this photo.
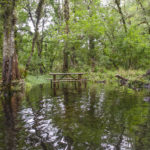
(73, 48)
(40, 47)
(91, 39)
(10, 69)
(65, 51)
(117, 2)
(92, 52)
(36, 33)
(73, 56)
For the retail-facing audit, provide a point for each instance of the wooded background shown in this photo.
(79, 35)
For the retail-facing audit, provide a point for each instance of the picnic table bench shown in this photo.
(73, 77)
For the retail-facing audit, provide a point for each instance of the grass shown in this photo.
(32, 80)
(109, 76)
(103, 74)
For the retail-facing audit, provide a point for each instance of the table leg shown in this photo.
(54, 78)
(54, 89)
(51, 84)
(79, 77)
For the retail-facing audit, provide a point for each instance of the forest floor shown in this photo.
(109, 75)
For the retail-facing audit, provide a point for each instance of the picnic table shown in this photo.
(73, 76)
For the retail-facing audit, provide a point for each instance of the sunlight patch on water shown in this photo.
(123, 144)
(40, 128)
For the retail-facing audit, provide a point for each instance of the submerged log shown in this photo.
(135, 84)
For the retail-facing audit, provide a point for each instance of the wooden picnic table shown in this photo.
(65, 75)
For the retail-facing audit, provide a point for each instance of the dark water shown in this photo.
(75, 118)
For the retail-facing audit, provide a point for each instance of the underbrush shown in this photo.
(102, 75)
(109, 76)
(33, 80)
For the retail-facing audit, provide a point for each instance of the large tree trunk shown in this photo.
(10, 69)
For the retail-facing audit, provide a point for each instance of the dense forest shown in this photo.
(42, 36)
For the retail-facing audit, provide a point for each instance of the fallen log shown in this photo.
(133, 84)
(123, 81)
(120, 77)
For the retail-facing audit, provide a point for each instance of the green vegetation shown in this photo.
(109, 76)
(32, 80)
(98, 38)
(108, 40)
(37, 79)
(101, 75)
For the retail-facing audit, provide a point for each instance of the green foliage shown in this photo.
(35, 80)
(109, 76)
(96, 40)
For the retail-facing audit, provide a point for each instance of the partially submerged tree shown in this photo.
(10, 69)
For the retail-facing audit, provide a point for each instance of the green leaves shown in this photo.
(111, 46)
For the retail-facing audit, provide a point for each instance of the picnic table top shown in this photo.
(66, 73)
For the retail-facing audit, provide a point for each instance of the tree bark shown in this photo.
(35, 37)
(117, 2)
(92, 52)
(73, 56)
(10, 69)
(91, 39)
(73, 48)
(65, 51)
(40, 47)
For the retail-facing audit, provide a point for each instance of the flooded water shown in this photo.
(70, 117)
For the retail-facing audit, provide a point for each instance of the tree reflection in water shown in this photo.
(10, 102)
(72, 118)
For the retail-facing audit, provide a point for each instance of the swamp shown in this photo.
(74, 75)
(92, 117)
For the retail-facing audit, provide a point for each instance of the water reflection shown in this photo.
(8, 116)
(75, 118)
